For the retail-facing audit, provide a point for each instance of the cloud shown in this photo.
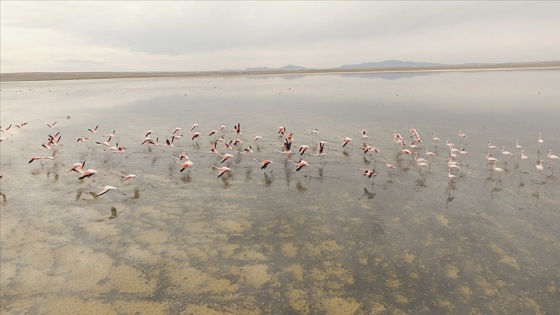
(205, 35)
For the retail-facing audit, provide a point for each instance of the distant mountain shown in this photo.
(264, 69)
(292, 68)
(389, 64)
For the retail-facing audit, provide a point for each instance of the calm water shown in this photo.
(325, 240)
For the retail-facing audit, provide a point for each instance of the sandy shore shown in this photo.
(46, 76)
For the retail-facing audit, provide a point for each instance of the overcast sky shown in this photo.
(197, 36)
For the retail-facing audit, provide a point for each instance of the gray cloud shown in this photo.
(315, 34)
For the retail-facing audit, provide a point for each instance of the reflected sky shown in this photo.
(323, 239)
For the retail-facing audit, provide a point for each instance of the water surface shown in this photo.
(322, 240)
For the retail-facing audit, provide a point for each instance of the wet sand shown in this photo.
(321, 241)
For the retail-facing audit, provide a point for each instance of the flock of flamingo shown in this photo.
(225, 143)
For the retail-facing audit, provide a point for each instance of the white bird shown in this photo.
(106, 189)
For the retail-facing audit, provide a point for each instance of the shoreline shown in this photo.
(55, 76)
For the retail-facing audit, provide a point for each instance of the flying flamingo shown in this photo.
(187, 164)
(106, 143)
(77, 167)
(367, 172)
(106, 189)
(5, 129)
(93, 130)
(195, 135)
(52, 125)
(126, 177)
(321, 148)
(194, 126)
(176, 130)
(82, 139)
(299, 165)
(264, 163)
(345, 141)
(302, 149)
(90, 172)
(40, 157)
(222, 170)
(225, 157)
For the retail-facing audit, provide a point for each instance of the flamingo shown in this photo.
(299, 165)
(106, 189)
(105, 143)
(225, 157)
(264, 163)
(523, 156)
(451, 177)
(498, 170)
(388, 165)
(430, 154)
(368, 173)
(222, 170)
(364, 134)
(552, 156)
(39, 157)
(490, 158)
(77, 167)
(94, 130)
(187, 164)
(436, 139)
(321, 148)
(517, 144)
(540, 166)
(90, 172)
(540, 141)
(462, 134)
(5, 129)
(126, 177)
(506, 153)
(195, 135)
(490, 146)
(302, 149)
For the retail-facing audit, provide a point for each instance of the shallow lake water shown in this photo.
(322, 240)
